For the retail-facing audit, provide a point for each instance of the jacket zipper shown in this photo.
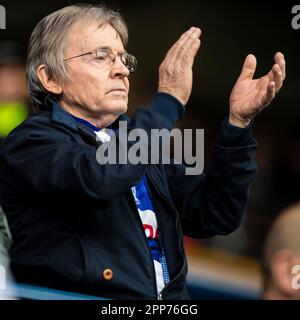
(160, 295)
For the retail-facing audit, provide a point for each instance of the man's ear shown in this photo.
(50, 84)
(281, 268)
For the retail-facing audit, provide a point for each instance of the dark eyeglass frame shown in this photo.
(127, 59)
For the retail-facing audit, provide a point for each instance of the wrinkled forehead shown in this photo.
(90, 37)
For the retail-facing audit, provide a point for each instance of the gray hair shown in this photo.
(49, 38)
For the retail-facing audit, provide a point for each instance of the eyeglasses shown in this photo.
(107, 58)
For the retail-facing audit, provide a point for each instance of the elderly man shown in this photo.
(116, 230)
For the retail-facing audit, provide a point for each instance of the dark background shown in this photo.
(230, 30)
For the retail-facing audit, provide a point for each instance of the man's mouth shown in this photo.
(118, 90)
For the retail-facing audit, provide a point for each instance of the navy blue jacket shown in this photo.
(71, 218)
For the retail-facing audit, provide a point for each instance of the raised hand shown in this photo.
(175, 72)
(250, 96)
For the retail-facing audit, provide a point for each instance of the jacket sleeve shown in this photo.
(213, 202)
(36, 158)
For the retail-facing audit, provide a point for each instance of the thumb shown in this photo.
(249, 68)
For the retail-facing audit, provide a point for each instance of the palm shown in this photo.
(247, 96)
(250, 96)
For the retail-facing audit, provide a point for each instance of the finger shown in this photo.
(187, 59)
(188, 51)
(270, 94)
(277, 77)
(172, 53)
(185, 41)
(280, 60)
(249, 68)
(179, 43)
(181, 39)
(183, 46)
(195, 47)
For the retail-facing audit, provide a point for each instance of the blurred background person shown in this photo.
(281, 259)
(13, 96)
(14, 108)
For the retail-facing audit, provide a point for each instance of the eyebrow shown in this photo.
(109, 49)
(104, 48)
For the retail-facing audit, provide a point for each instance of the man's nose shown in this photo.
(119, 69)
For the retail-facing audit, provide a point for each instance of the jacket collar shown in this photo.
(60, 116)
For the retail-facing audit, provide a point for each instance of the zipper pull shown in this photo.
(159, 297)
